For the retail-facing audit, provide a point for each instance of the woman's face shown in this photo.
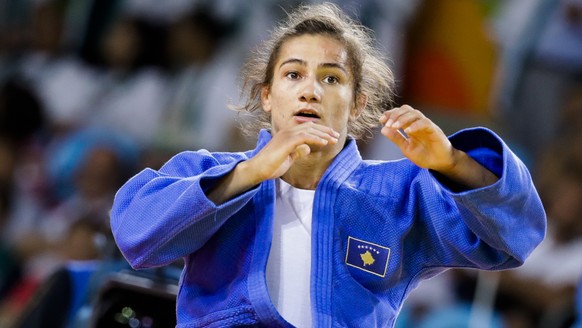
(311, 82)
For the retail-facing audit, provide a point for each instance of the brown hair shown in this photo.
(371, 75)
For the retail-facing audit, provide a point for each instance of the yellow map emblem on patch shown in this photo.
(367, 258)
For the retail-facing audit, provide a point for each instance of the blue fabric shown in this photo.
(80, 274)
(161, 216)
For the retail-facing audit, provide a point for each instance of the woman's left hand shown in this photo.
(426, 145)
(422, 142)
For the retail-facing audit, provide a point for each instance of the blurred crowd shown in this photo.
(93, 91)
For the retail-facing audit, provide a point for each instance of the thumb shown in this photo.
(300, 151)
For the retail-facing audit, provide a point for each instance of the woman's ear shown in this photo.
(359, 106)
(266, 98)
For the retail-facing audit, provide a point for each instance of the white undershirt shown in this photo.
(289, 264)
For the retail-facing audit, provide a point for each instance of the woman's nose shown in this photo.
(311, 91)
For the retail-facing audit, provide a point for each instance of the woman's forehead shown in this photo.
(313, 50)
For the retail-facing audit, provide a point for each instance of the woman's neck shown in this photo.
(307, 172)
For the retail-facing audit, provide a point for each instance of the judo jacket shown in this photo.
(379, 228)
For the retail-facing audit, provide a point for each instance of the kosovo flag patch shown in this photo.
(367, 256)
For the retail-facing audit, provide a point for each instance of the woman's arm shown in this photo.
(161, 216)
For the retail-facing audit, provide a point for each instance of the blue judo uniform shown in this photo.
(379, 228)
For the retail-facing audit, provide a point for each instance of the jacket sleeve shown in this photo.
(505, 220)
(161, 216)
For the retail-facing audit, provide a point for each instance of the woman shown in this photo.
(301, 231)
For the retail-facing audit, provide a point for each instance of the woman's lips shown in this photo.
(306, 115)
(305, 119)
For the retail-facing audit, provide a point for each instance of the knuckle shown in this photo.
(303, 134)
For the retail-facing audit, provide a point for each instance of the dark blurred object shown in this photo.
(195, 38)
(578, 323)
(65, 291)
(10, 270)
(21, 114)
(49, 307)
(100, 15)
(573, 14)
(130, 43)
(131, 300)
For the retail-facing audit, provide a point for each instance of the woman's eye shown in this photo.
(330, 79)
(293, 75)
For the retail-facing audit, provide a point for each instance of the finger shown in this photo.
(300, 152)
(323, 129)
(394, 114)
(327, 134)
(324, 133)
(405, 119)
(388, 117)
(395, 135)
(418, 126)
(314, 138)
(384, 117)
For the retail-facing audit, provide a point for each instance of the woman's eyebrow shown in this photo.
(293, 60)
(334, 65)
(323, 65)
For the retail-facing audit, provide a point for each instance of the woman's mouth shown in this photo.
(306, 116)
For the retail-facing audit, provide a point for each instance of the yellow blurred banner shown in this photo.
(450, 59)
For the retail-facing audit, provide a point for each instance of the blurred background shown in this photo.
(93, 91)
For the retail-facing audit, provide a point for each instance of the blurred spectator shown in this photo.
(541, 292)
(62, 294)
(431, 296)
(132, 87)
(541, 47)
(89, 164)
(204, 74)
(165, 12)
(22, 121)
(456, 298)
(569, 119)
(94, 162)
(13, 32)
(22, 126)
(63, 83)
